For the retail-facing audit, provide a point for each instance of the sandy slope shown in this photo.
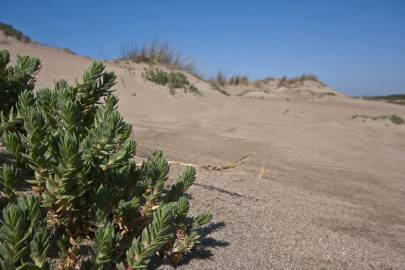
(320, 191)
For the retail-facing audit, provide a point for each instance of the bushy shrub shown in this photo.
(173, 79)
(98, 207)
(14, 80)
(395, 119)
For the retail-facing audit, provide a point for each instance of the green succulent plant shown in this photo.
(14, 80)
(78, 152)
(24, 240)
(173, 79)
(8, 181)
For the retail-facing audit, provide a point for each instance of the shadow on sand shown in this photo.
(203, 250)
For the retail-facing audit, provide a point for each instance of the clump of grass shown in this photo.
(310, 77)
(284, 82)
(395, 119)
(239, 80)
(219, 88)
(219, 79)
(173, 79)
(160, 53)
(259, 83)
(218, 83)
(289, 82)
(152, 53)
(9, 30)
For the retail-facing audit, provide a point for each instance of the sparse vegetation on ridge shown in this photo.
(220, 80)
(9, 30)
(398, 99)
(87, 202)
(289, 82)
(395, 119)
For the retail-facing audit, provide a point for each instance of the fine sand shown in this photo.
(320, 191)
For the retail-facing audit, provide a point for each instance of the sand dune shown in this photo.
(320, 191)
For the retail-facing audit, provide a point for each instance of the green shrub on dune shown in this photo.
(87, 198)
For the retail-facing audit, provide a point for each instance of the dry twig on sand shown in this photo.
(230, 165)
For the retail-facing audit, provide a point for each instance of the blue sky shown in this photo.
(356, 47)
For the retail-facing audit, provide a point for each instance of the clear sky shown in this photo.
(355, 46)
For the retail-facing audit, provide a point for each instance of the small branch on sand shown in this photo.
(209, 167)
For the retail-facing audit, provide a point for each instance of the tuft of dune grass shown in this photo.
(160, 53)
(290, 82)
(239, 80)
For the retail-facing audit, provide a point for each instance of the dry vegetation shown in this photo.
(221, 80)
(239, 80)
(289, 82)
(219, 88)
(160, 53)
